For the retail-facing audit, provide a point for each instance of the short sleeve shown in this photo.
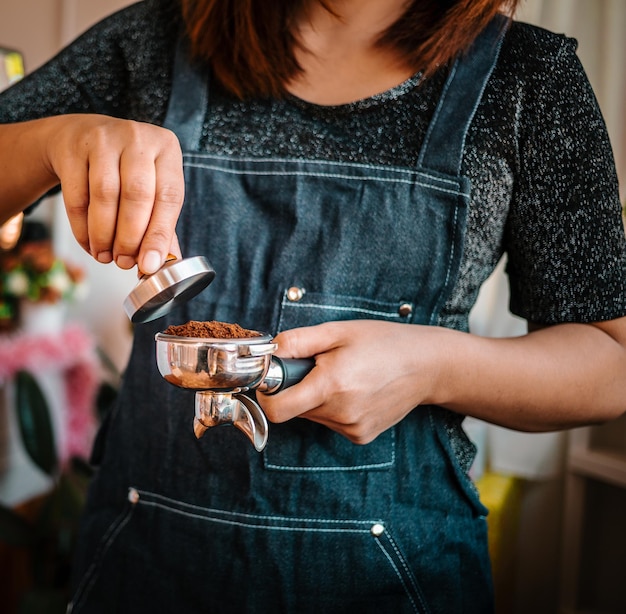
(564, 237)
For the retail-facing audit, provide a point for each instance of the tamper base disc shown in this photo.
(175, 282)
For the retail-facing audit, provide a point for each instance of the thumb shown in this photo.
(151, 260)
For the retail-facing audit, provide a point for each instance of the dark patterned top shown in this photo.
(544, 188)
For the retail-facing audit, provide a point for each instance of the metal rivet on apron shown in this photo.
(406, 309)
(133, 496)
(377, 529)
(294, 294)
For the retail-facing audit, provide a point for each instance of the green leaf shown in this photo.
(14, 530)
(35, 423)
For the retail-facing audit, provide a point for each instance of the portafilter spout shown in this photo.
(222, 371)
(223, 408)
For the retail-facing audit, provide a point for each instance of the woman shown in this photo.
(353, 170)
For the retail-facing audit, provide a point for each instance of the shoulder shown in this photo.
(530, 51)
(538, 42)
(132, 50)
(539, 72)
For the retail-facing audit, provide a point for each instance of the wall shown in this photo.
(37, 38)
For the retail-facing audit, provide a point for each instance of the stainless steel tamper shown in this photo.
(177, 281)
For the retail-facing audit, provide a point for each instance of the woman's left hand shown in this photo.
(368, 375)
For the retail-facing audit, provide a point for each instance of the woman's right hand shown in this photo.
(122, 184)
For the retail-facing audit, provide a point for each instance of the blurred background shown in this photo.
(557, 501)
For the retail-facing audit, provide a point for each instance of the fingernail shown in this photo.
(151, 262)
(104, 257)
(125, 262)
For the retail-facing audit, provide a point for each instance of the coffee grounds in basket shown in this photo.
(210, 330)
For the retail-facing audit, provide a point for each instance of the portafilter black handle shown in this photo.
(285, 372)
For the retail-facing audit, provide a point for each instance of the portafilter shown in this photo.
(224, 372)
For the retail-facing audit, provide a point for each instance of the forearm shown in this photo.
(25, 173)
(559, 377)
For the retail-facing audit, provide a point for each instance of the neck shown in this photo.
(338, 54)
(360, 20)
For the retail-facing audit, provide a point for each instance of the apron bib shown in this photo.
(314, 523)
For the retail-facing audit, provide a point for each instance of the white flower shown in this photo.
(60, 281)
(17, 283)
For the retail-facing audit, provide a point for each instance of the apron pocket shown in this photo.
(258, 564)
(302, 445)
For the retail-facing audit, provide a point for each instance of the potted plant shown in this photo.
(32, 276)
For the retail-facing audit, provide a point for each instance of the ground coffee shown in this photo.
(210, 330)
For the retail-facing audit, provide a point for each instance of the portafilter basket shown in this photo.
(221, 371)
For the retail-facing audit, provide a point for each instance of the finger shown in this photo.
(75, 190)
(160, 237)
(137, 197)
(104, 196)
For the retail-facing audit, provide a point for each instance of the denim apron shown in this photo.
(313, 523)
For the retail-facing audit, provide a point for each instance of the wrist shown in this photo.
(51, 134)
(450, 366)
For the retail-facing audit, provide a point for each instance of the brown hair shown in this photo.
(250, 44)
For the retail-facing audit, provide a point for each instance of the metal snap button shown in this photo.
(406, 309)
(294, 294)
(133, 496)
(377, 529)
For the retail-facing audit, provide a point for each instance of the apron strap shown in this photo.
(444, 143)
(188, 100)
